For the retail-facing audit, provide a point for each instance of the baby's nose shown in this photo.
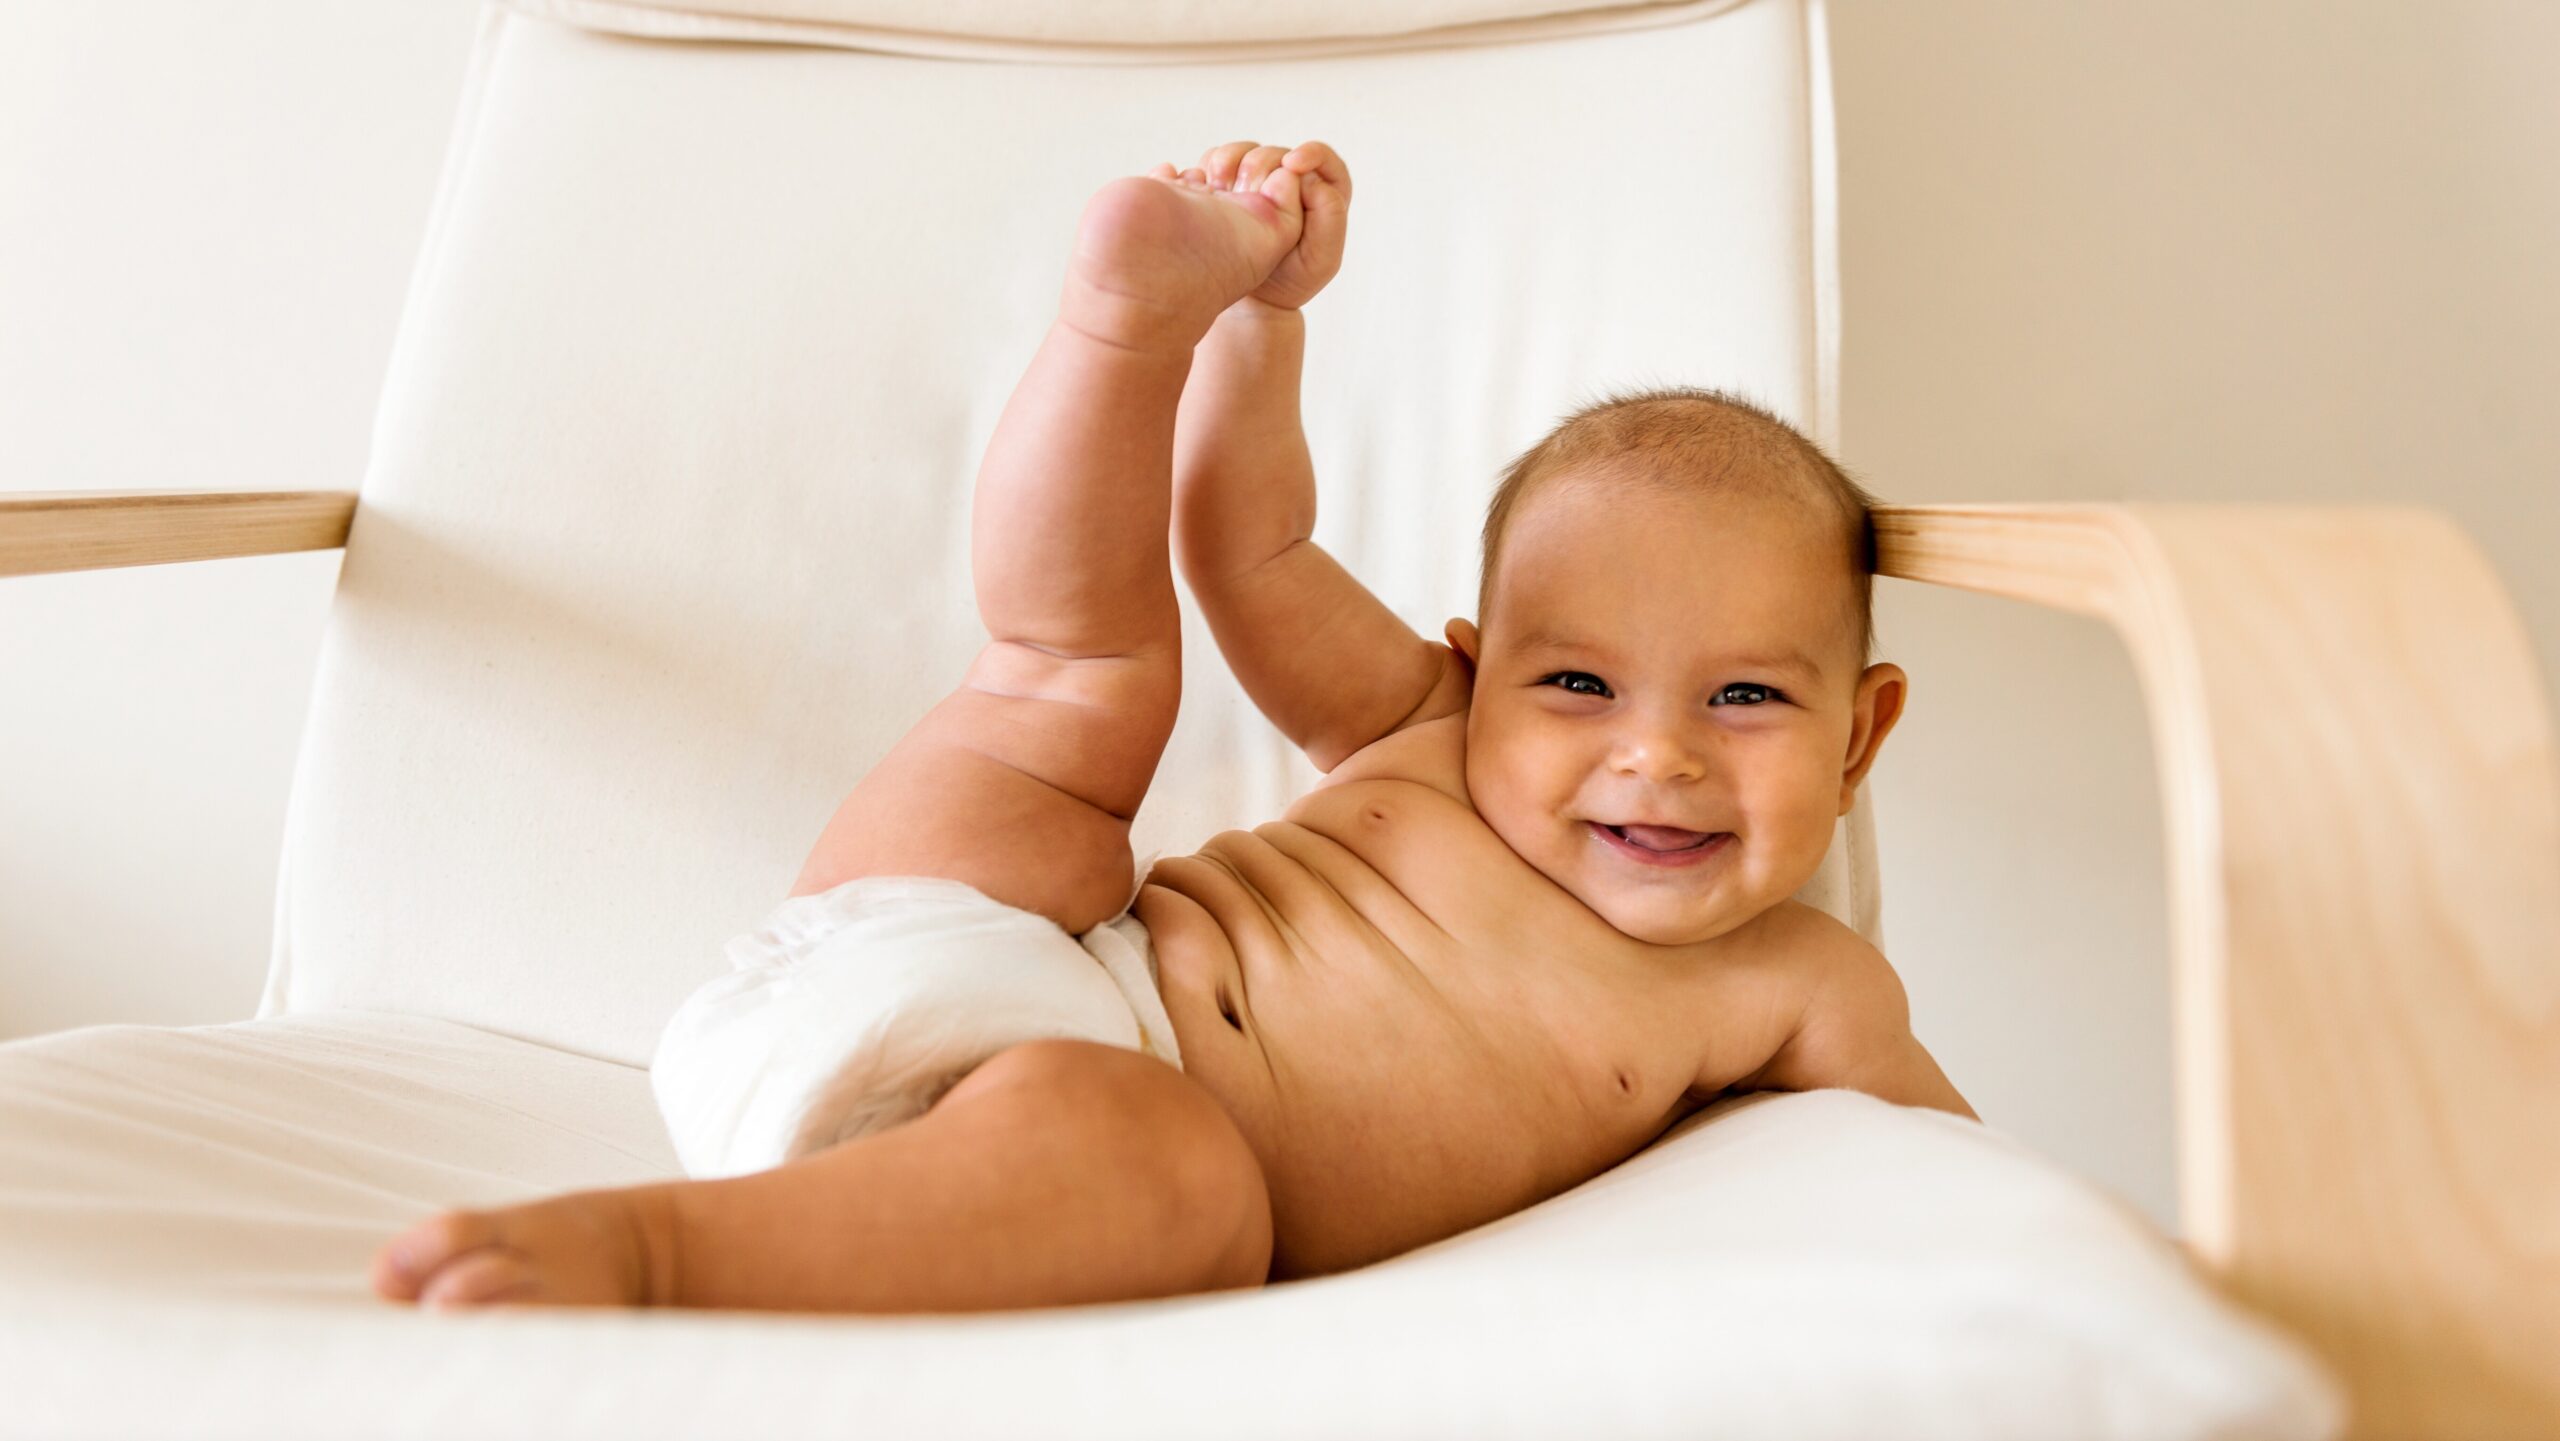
(1658, 753)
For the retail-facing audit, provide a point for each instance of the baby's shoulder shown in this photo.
(1813, 947)
(1432, 752)
(1788, 969)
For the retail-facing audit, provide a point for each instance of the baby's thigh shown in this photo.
(1138, 1139)
(1019, 795)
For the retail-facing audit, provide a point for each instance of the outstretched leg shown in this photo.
(1022, 782)
(1058, 1173)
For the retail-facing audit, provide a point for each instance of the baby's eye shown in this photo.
(1578, 682)
(1743, 692)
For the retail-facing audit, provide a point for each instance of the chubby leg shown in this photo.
(1058, 1173)
(1022, 783)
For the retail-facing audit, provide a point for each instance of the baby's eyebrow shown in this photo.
(1549, 640)
(1794, 660)
(1789, 659)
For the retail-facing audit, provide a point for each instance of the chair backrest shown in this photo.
(665, 535)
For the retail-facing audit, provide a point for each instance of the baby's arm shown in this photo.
(1331, 666)
(1854, 1033)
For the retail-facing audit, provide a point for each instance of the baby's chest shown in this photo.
(1400, 808)
(1459, 957)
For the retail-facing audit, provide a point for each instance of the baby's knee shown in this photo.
(1141, 689)
(1193, 1181)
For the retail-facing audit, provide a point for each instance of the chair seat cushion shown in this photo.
(202, 1201)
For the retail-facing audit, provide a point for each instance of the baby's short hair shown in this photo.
(1699, 440)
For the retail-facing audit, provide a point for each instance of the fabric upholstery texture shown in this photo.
(185, 1216)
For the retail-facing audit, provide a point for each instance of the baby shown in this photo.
(1537, 911)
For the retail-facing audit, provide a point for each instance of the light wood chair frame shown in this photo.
(2363, 825)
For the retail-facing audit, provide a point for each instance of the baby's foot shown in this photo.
(590, 1248)
(1324, 193)
(1158, 256)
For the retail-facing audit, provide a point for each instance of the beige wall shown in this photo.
(2280, 251)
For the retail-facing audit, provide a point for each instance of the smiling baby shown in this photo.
(1537, 910)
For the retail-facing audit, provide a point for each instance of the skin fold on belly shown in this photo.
(1394, 1094)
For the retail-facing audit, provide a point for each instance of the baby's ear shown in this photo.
(1464, 640)
(1872, 714)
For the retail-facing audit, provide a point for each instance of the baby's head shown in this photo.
(1672, 702)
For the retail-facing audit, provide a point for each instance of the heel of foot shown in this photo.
(1131, 323)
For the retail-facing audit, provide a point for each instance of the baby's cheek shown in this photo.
(1796, 823)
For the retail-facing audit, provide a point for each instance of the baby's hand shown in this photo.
(1324, 186)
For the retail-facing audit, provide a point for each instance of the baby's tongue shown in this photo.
(1663, 838)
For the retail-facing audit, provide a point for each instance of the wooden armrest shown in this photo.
(58, 530)
(2364, 886)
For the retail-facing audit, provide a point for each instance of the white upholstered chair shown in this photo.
(664, 540)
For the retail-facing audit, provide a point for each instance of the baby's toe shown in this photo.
(480, 1278)
(1219, 163)
(1256, 163)
(404, 1263)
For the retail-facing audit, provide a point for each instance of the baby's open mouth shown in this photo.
(1660, 838)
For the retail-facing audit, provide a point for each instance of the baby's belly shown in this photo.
(1396, 1087)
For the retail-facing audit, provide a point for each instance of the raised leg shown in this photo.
(1058, 1171)
(1022, 782)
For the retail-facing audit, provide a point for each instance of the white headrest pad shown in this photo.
(1115, 30)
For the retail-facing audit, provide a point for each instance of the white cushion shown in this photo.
(1119, 31)
(665, 536)
(185, 1216)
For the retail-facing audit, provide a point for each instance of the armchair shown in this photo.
(662, 542)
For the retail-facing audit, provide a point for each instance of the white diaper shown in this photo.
(855, 1008)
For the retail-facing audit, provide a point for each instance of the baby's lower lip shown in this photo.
(1695, 855)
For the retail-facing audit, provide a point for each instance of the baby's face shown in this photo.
(1670, 710)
